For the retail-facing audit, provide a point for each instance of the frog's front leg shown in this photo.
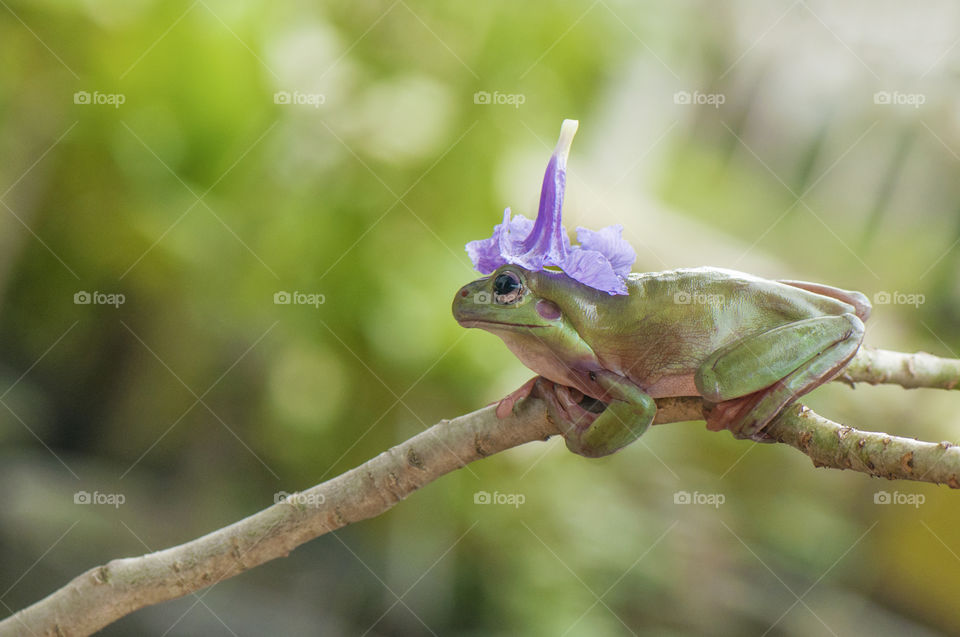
(753, 379)
(593, 428)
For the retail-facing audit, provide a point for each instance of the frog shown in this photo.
(606, 342)
(747, 346)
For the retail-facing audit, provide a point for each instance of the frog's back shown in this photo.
(677, 318)
(731, 295)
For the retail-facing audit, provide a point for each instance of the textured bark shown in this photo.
(832, 445)
(106, 593)
(876, 366)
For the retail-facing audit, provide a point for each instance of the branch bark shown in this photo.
(106, 593)
(879, 366)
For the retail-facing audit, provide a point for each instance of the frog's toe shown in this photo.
(739, 417)
(729, 414)
(749, 427)
(762, 436)
(505, 406)
(570, 410)
(718, 415)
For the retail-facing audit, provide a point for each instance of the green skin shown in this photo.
(748, 346)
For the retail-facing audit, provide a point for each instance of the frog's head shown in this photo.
(507, 301)
(528, 310)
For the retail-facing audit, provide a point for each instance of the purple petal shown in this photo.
(592, 268)
(517, 230)
(489, 254)
(548, 237)
(609, 242)
(485, 253)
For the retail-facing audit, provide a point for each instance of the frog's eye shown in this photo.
(507, 288)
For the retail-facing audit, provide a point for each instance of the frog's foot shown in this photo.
(570, 410)
(505, 406)
(593, 428)
(727, 414)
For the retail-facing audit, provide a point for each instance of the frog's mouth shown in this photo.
(482, 323)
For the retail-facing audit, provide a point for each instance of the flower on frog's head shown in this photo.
(601, 261)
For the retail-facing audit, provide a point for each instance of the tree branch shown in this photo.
(879, 366)
(106, 593)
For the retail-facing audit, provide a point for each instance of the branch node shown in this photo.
(102, 575)
(906, 462)
(478, 446)
(396, 482)
(414, 460)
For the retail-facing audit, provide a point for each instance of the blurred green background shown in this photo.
(345, 150)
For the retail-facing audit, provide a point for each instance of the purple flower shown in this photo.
(603, 258)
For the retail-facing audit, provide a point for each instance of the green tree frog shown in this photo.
(606, 342)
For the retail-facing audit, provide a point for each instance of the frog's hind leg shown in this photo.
(787, 362)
